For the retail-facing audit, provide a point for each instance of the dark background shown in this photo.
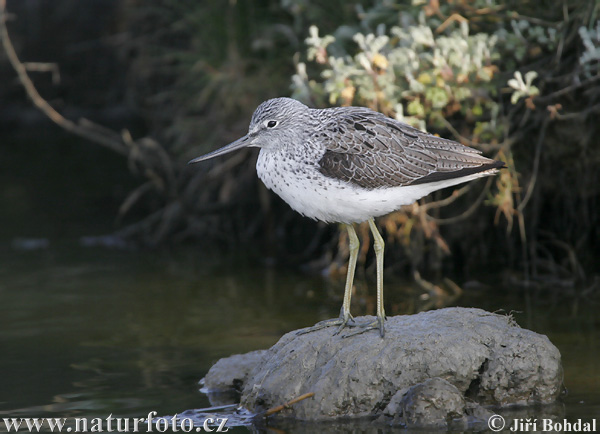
(181, 78)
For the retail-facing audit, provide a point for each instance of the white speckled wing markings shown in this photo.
(370, 150)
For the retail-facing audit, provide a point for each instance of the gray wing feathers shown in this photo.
(366, 148)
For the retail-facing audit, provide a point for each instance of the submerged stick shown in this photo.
(277, 409)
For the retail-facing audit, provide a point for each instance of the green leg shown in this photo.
(354, 244)
(379, 246)
(345, 316)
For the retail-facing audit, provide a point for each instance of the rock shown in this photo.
(231, 373)
(477, 417)
(420, 374)
(434, 403)
(225, 379)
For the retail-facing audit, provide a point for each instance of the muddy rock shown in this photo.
(434, 403)
(421, 374)
(231, 373)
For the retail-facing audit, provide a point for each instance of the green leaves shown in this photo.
(407, 67)
(523, 88)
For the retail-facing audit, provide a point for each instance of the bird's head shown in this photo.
(276, 122)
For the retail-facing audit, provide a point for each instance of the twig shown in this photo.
(456, 290)
(582, 114)
(533, 20)
(424, 284)
(465, 141)
(566, 90)
(134, 196)
(452, 18)
(217, 407)
(279, 408)
(536, 165)
(40, 102)
(447, 201)
(145, 155)
(454, 132)
(467, 212)
(44, 67)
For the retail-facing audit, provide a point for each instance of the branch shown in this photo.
(277, 409)
(536, 165)
(44, 67)
(464, 140)
(155, 163)
(447, 201)
(467, 212)
(41, 103)
(546, 99)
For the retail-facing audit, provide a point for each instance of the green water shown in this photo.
(86, 332)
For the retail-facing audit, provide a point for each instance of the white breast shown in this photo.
(307, 191)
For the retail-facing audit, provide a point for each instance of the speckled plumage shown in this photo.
(348, 164)
(371, 150)
(351, 164)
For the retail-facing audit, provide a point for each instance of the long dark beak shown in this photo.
(234, 146)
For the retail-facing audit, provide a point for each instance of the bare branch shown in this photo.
(277, 409)
(536, 166)
(41, 103)
(468, 211)
(447, 201)
(44, 67)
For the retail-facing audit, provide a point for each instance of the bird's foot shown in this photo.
(341, 322)
(376, 324)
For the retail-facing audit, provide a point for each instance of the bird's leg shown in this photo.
(353, 245)
(345, 316)
(378, 246)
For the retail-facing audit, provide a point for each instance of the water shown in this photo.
(86, 332)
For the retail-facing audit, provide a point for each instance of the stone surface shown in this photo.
(231, 373)
(434, 403)
(428, 364)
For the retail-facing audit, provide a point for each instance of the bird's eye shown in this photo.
(271, 124)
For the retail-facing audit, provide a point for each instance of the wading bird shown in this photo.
(350, 165)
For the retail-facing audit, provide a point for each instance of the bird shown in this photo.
(350, 165)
